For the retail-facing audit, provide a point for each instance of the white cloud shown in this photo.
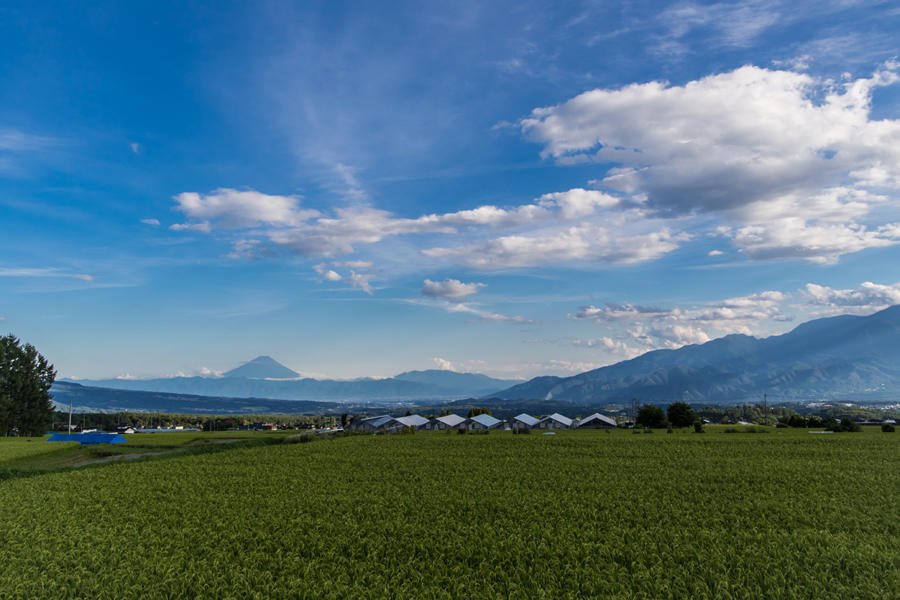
(725, 24)
(150, 221)
(361, 281)
(579, 202)
(656, 327)
(135, 147)
(715, 253)
(354, 264)
(585, 244)
(234, 209)
(797, 63)
(202, 227)
(456, 306)
(867, 298)
(606, 231)
(244, 249)
(452, 289)
(782, 154)
(443, 364)
(43, 272)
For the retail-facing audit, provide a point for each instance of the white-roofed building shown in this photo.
(483, 422)
(417, 421)
(596, 421)
(523, 421)
(555, 421)
(377, 423)
(447, 422)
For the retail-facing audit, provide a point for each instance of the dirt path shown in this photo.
(107, 459)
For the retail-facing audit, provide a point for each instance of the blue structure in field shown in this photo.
(88, 438)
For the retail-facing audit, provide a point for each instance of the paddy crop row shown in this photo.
(578, 514)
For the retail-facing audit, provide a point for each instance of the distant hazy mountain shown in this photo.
(263, 377)
(263, 367)
(94, 399)
(454, 380)
(844, 357)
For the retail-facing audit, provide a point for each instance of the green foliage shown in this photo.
(746, 430)
(25, 380)
(680, 414)
(651, 416)
(846, 425)
(698, 426)
(475, 411)
(887, 428)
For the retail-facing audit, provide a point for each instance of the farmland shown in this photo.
(577, 514)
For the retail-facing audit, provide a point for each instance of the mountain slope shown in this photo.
(837, 357)
(414, 385)
(263, 367)
(94, 399)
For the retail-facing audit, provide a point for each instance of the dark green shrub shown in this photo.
(887, 428)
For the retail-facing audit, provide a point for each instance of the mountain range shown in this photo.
(264, 377)
(844, 357)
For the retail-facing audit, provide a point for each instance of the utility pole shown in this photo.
(766, 407)
(70, 415)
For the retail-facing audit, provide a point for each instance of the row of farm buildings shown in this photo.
(389, 424)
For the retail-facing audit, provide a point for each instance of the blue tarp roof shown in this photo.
(88, 438)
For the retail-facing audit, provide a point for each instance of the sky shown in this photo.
(512, 188)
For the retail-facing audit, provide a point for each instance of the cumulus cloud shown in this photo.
(657, 327)
(577, 224)
(233, 209)
(443, 364)
(867, 298)
(452, 289)
(150, 221)
(781, 155)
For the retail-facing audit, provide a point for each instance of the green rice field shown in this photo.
(579, 514)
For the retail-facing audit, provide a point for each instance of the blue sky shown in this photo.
(510, 188)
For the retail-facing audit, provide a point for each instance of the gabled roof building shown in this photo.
(483, 422)
(447, 422)
(417, 421)
(555, 421)
(596, 421)
(523, 421)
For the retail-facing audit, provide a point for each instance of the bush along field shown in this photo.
(575, 515)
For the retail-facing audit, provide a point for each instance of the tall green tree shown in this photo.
(25, 380)
(680, 414)
(651, 416)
